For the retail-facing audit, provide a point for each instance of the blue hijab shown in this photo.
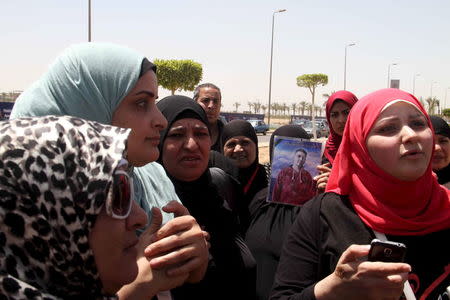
(89, 81)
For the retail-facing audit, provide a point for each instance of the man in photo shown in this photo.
(294, 184)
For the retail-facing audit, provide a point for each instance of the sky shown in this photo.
(232, 39)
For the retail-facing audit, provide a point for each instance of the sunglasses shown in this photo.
(119, 205)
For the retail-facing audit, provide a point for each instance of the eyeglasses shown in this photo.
(119, 205)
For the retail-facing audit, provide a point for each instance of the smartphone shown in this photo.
(386, 251)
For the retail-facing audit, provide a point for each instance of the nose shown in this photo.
(137, 218)
(158, 120)
(437, 147)
(408, 134)
(342, 118)
(211, 105)
(238, 148)
(191, 143)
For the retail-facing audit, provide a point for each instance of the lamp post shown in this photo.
(431, 89)
(271, 56)
(445, 99)
(89, 21)
(389, 73)
(414, 83)
(345, 63)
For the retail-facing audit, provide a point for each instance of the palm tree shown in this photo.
(303, 105)
(309, 108)
(432, 104)
(294, 108)
(236, 105)
(264, 108)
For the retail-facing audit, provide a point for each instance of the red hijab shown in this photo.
(383, 202)
(334, 140)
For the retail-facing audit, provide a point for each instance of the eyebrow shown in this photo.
(151, 94)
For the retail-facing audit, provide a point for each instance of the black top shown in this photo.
(218, 145)
(269, 225)
(326, 226)
(231, 269)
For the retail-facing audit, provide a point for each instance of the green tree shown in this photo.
(179, 75)
(446, 112)
(312, 81)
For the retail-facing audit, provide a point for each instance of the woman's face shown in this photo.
(241, 150)
(338, 116)
(441, 156)
(185, 151)
(400, 141)
(138, 111)
(114, 244)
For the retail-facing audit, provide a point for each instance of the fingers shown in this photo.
(325, 168)
(176, 208)
(187, 267)
(175, 226)
(146, 237)
(353, 253)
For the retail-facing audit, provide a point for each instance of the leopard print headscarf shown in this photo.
(55, 176)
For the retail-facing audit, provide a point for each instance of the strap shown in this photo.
(407, 290)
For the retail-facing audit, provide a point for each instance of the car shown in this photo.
(259, 126)
(321, 128)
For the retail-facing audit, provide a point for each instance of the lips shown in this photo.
(412, 153)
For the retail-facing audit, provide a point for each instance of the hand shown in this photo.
(149, 281)
(179, 245)
(322, 179)
(356, 278)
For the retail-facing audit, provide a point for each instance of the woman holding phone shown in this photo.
(376, 188)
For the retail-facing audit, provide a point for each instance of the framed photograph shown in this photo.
(294, 163)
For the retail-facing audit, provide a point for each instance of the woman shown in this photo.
(184, 155)
(270, 223)
(115, 85)
(376, 188)
(337, 109)
(441, 156)
(67, 217)
(241, 146)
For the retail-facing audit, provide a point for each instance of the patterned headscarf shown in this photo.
(55, 176)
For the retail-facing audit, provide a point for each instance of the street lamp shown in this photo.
(271, 56)
(345, 62)
(431, 89)
(414, 83)
(445, 99)
(389, 73)
(89, 21)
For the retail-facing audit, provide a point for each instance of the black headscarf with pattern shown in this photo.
(55, 176)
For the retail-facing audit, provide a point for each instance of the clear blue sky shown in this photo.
(231, 39)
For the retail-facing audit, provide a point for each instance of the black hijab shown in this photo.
(178, 107)
(441, 127)
(254, 177)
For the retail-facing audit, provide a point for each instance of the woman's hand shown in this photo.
(322, 179)
(180, 245)
(356, 278)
